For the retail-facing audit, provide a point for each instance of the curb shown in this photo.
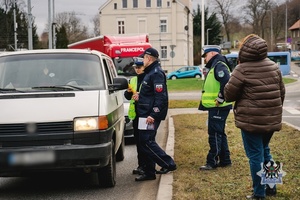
(165, 188)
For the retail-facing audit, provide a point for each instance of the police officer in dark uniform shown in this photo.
(153, 106)
(212, 99)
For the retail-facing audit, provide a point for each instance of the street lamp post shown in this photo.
(207, 35)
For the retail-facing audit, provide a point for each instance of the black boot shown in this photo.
(271, 191)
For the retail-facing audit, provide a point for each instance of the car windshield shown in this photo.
(55, 71)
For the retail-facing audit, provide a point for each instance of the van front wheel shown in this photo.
(120, 153)
(107, 175)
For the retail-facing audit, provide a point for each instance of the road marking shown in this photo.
(293, 111)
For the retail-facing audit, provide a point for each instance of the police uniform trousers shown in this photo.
(217, 138)
(140, 156)
(154, 154)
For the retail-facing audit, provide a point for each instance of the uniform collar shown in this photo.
(150, 67)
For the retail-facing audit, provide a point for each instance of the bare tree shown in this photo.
(74, 28)
(96, 22)
(278, 23)
(256, 11)
(223, 8)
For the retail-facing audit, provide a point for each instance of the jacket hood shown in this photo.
(253, 48)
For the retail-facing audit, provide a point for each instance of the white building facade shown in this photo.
(169, 24)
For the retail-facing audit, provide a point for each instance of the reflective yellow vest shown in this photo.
(131, 110)
(211, 90)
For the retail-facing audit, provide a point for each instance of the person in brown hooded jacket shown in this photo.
(257, 88)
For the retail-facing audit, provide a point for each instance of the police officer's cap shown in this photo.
(210, 48)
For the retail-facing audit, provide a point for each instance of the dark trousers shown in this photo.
(154, 154)
(257, 149)
(140, 156)
(217, 138)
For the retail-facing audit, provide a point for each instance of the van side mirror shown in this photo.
(119, 83)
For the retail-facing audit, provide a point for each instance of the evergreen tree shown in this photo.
(7, 34)
(61, 38)
(211, 22)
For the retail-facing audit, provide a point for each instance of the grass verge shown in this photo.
(191, 147)
(191, 84)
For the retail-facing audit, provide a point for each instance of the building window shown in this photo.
(158, 3)
(135, 3)
(168, 3)
(148, 3)
(124, 2)
(115, 6)
(163, 25)
(164, 52)
(121, 27)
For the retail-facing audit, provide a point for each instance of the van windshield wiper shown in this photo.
(59, 87)
(4, 90)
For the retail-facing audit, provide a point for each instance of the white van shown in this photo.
(61, 110)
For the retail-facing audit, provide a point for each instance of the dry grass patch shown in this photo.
(191, 147)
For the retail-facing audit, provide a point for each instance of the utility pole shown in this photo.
(29, 26)
(49, 25)
(202, 33)
(53, 25)
(15, 26)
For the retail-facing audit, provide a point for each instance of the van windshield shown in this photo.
(32, 72)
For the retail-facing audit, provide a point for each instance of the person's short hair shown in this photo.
(210, 48)
(151, 52)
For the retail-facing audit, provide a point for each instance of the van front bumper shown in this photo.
(45, 158)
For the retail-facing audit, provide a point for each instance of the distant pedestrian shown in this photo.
(212, 99)
(258, 91)
(153, 107)
(132, 94)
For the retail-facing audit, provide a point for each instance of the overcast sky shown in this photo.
(86, 10)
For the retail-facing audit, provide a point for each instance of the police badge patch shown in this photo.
(221, 74)
(159, 88)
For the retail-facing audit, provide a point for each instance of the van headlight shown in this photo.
(86, 124)
(90, 123)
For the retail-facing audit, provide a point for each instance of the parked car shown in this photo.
(63, 111)
(186, 72)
